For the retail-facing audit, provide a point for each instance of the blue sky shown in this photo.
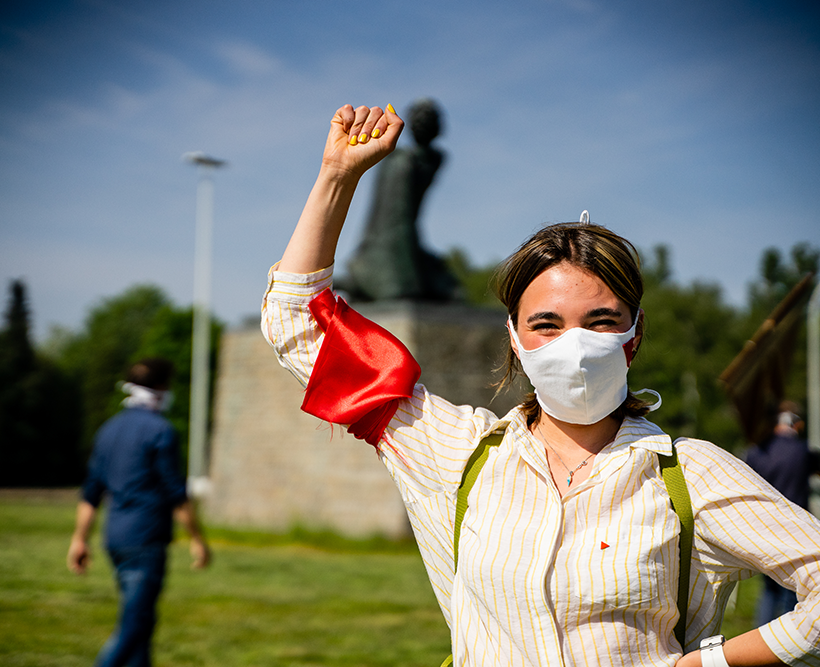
(695, 124)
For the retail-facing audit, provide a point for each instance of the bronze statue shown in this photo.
(390, 262)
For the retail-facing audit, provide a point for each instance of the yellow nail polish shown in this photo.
(390, 108)
(363, 138)
(376, 132)
(353, 140)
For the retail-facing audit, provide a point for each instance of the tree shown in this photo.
(779, 276)
(99, 356)
(170, 336)
(140, 322)
(474, 281)
(17, 352)
(690, 336)
(39, 412)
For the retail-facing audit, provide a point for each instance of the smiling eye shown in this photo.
(540, 326)
(604, 324)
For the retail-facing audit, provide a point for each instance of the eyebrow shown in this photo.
(596, 312)
(544, 315)
(604, 312)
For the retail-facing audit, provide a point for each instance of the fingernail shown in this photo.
(363, 138)
(390, 108)
(353, 140)
(376, 132)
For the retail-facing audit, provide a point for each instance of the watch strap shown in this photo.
(711, 652)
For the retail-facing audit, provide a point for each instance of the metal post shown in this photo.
(198, 481)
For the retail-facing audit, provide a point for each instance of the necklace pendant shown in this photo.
(569, 479)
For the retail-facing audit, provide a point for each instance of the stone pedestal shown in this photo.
(273, 466)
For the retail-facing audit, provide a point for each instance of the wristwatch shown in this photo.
(711, 652)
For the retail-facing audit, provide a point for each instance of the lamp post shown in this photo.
(198, 482)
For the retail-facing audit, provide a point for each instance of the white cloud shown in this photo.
(248, 60)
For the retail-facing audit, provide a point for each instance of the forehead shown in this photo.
(566, 290)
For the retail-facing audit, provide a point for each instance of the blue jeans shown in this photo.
(140, 571)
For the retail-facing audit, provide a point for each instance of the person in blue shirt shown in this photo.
(784, 461)
(135, 466)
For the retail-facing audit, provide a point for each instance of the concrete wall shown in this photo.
(273, 466)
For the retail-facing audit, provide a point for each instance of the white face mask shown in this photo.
(580, 376)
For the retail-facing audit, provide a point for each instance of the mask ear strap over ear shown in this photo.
(514, 335)
(656, 404)
(511, 328)
(638, 328)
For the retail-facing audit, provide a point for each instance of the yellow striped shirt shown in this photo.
(590, 578)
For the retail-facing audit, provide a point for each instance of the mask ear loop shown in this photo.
(656, 404)
(584, 218)
(512, 330)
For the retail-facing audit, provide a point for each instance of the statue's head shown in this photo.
(425, 121)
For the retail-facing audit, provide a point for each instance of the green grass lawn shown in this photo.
(301, 599)
(264, 601)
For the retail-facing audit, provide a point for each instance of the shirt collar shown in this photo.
(635, 432)
(640, 433)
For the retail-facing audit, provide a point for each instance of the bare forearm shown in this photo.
(186, 515)
(358, 139)
(86, 513)
(79, 553)
(746, 650)
(312, 246)
(749, 650)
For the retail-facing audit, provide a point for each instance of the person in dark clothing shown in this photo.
(135, 466)
(785, 461)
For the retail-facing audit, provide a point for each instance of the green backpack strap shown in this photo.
(682, 504)
(474, 465)
(672, 474)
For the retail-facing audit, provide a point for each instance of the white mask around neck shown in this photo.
(158, 400)
(580, 376)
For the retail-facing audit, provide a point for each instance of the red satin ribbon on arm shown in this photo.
(361, 372)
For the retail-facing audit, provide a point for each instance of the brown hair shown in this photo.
(589, 247)
(151, 372)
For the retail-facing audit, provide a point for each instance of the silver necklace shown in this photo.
(566, 467)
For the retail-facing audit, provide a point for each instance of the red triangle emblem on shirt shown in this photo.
(604, 545)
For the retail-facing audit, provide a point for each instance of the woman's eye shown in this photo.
(603, 325)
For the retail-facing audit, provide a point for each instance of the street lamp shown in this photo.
(198, 482)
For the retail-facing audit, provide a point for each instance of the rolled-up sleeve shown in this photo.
(743, 525)
(427, 441)
(286, 320)
(94, 484)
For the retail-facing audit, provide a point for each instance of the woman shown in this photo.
(569, 549)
